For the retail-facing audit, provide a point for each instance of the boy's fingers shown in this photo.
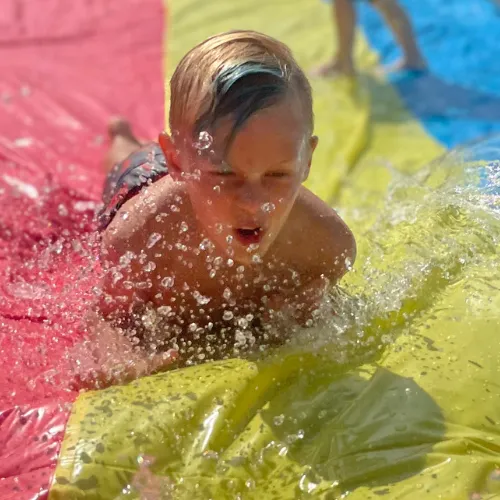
(106, 375)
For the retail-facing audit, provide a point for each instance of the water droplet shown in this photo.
(218, 228)
(204, 142)
(153, 239)
(227, 293)
(150, 266)
(117, 276)
(229, 238)
(250, 484)
(127, 490)
(201, 299)
(267, 287)
(240, 339)
(184, 227)
(206, 244)
(278, 420)
(256, 259)
(164, 310)
(212, 273)
(124, 215)
(77, 246)
(242, 323)
(240, 269)
(230, 262)
(227, 316)
(167, 282)
(174, 208)
(217, 189)
(249, 317)
(218, 261)
(268, 207)
(62, 210)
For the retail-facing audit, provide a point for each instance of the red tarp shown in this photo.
(65, 69)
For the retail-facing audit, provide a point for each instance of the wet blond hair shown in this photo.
(234, 74)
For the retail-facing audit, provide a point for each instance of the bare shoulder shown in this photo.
(153, 211)
(131, 245)
(318, 240)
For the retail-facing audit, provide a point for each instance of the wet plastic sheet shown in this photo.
(30, 441)
(296, 426)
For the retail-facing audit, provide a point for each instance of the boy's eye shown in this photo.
(223, 173)
(277, 174)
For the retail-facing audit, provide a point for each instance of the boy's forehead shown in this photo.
(280, 126)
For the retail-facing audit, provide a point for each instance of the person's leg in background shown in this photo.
(344, 17)
(400, 25)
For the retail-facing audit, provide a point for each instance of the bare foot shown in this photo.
(120, 127)
(122, 142)
(402, 65)
(334, 68)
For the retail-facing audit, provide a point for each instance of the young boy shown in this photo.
(344, 15)
(210, 231)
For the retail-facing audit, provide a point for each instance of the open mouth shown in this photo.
(247, 235)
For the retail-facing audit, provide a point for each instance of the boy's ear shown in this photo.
(171, 156)
(313, 142)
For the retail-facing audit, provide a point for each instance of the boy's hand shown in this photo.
(300, 305)
(98, 375)
(109, 358)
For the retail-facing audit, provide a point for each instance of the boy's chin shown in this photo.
(246, 258)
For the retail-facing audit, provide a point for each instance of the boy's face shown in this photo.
(243, 196)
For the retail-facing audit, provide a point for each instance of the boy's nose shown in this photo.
(251, 197)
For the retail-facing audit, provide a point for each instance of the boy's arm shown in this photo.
(324, 249)
(328, 246)
(109, 355)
